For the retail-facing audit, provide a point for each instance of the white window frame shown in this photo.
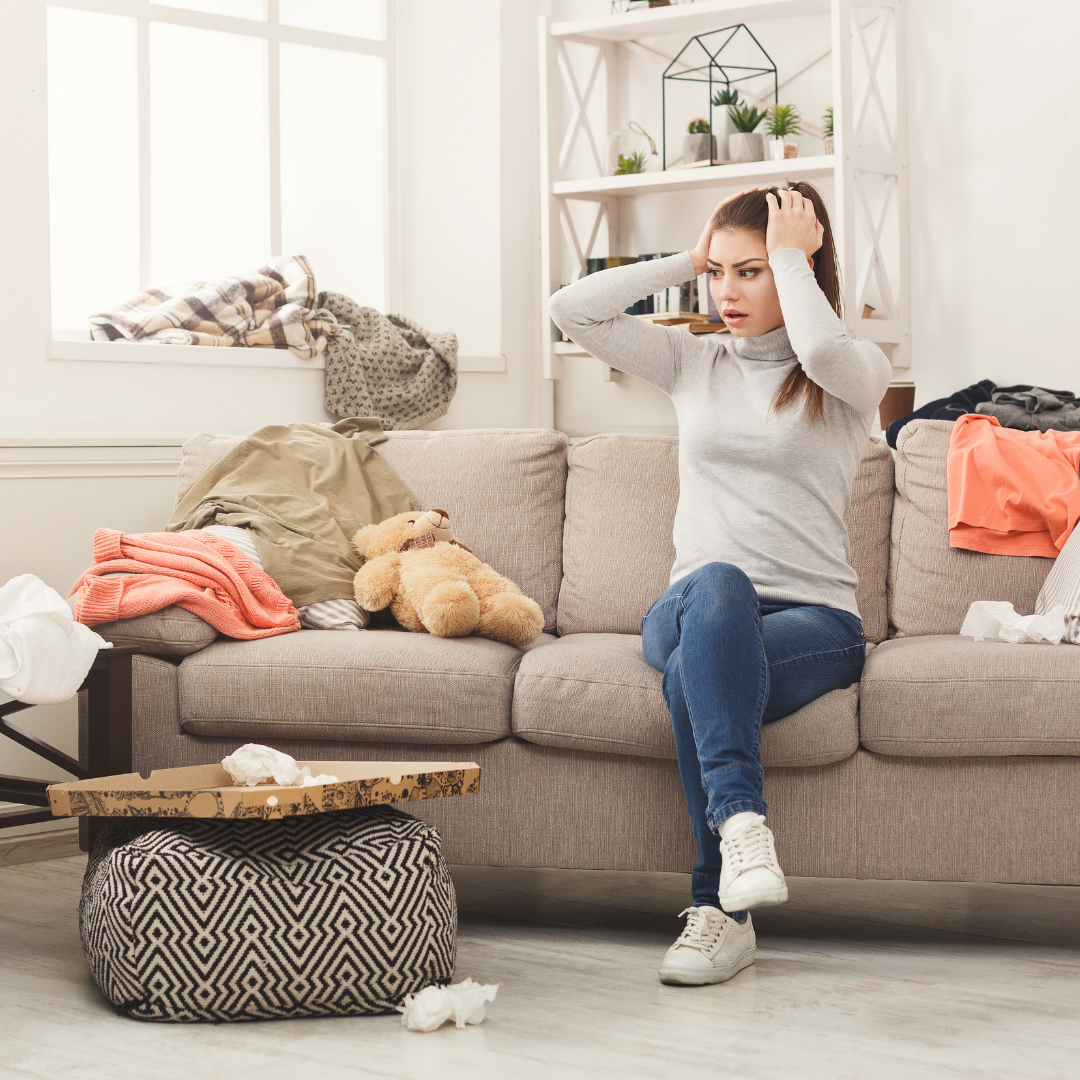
(77, 344)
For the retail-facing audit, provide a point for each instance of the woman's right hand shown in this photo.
(700, 253)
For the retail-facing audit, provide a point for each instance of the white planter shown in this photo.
(746, 146)
(699, 148)
(830, 144)
(722, 127)
(779, 149)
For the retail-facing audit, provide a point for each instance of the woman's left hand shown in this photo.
(792, 223)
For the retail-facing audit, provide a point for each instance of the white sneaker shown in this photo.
(711, 949)
(750, 875)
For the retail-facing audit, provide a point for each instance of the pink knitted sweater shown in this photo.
(197, 571)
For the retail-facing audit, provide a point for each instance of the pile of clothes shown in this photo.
(1017, 492)
(261, 543)
(1025, 408)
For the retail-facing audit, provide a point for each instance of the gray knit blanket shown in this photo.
(387, 366)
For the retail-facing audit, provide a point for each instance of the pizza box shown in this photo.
(207, 791)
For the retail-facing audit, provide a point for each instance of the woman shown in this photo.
(760, 617)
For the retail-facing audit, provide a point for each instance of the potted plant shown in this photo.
(630, 163)
(745, 144)
(723, 100)
(699, 144)
(630, 150)
(827, 130)
(783, 123)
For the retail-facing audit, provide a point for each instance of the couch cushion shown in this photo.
(621, 494)
(173, 631)
(368, 685)
(950, 696)
(595, 692)
(503, 488)
(931, 585)
(504, 491)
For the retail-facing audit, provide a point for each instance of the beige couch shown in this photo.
(950, 761)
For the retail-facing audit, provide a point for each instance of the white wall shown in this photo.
(994, 157)
(469, 197)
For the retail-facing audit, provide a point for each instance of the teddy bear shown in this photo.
(432, 583)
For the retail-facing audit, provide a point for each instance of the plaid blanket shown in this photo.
(272, 307)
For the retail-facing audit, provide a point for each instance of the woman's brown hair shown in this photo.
(751, 213)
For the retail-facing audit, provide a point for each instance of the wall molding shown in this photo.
(66, 470)
(51, 462)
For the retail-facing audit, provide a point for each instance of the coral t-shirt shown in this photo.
(1012, 492)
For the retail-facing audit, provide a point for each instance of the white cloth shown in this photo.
(1062, 587)
(464, 1002)
(254, 764)
(44, 653)
(998, 619)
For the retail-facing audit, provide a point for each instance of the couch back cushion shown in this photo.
(621, 494)
(932, 585)
(503, 488)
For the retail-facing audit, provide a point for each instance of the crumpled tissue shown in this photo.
(463, 1002)
(254, 764)
(44, 653)
(997, 619)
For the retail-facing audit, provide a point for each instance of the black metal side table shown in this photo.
(108, 684)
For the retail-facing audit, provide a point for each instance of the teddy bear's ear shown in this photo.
(360, 540)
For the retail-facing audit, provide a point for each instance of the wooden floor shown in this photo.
(853, 979)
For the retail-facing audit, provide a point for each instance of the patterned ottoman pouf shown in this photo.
(327, 915)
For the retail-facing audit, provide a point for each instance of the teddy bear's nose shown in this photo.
(436, 510)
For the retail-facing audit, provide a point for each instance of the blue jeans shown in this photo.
(731, 663)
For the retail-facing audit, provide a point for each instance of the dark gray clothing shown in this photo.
(1030, 408)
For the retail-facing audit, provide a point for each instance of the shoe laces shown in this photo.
(750, 847)
(702, 931)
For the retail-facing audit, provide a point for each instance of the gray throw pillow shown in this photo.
(173, 631)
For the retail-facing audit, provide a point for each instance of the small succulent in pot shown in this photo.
(631, 163)
(724, 99)
(827, 130)
(699, 143)
(727, 96)
(783, 123)
(745, 144)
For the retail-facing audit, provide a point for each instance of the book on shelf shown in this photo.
(709, 307)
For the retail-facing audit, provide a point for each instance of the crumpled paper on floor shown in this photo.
(463, 1002)
(254, 764)
(997, 620)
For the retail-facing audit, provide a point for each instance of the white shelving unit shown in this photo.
(870, 207)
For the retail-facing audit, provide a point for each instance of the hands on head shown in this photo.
(700, 252)
(792, 223)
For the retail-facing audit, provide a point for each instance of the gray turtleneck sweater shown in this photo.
(766, 493)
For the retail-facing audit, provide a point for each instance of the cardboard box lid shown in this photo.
(207, 791)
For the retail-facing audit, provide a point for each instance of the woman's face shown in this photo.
(742, 285)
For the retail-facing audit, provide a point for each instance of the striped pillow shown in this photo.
(325, 615)
(1062, 586)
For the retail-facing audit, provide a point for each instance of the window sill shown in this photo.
(76, 345)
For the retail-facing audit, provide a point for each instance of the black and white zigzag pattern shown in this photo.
(332, 914)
